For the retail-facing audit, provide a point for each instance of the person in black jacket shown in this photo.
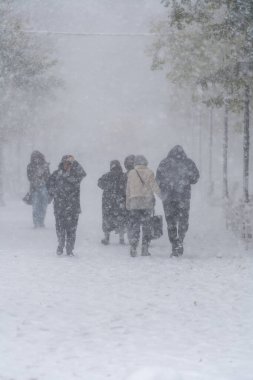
(113, 185)
(175, 175)
(64, 186)
(38, 174)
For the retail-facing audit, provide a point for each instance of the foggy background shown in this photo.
(112, 104)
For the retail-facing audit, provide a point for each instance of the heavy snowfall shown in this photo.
(93, 82)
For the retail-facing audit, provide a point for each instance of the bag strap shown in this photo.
(144, 184)
(140, 177)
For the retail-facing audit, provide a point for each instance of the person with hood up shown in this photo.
(64, 186)
(113, 202)
(175, 175)
(38, 174)
(141, 186)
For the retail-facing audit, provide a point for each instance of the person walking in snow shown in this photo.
(141, 186)
(129, 165)
(113, 202)
(64, 186)
(175, 175)
(38, 174)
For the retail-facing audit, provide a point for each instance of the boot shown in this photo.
(121, 238)
(133, 251)
(106, 239)
(180, 248)
(144, 250)
(59, 250)
(175, 252)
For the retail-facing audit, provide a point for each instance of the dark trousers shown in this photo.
(138, 219)
(177, 218)
(66, 230)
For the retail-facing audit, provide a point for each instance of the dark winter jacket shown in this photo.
(113, 185)
(64, 187)
(175, 175)
(37, 171)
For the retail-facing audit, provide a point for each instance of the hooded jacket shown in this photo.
(113, 185)
(64, 187)
(37, 170)
(175, 175)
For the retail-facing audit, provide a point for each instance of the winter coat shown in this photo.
(140, 191)
(64, 187)
(175, 175)
(113, 185)
(37, 171)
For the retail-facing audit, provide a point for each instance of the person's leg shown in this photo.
(134, 231)
(121, 236)
(183, 225)
(35, 208)
(71, 226)
(171, 215)
(43, 205)
(106, 239)
(146, 231)
(60, 232)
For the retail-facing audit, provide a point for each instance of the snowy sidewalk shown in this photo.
(104, 315)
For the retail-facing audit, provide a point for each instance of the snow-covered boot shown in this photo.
(106, 239)
(121, 238)
(133, 251)
(180, 248)
(175, 252)
(144, 250)
(59, 250)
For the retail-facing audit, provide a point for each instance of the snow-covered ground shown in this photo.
(104, 315)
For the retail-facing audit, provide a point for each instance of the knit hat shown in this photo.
(140, 160)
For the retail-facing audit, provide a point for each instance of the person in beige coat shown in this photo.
(140, 200)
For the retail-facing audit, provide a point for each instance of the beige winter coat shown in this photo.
(140, 196)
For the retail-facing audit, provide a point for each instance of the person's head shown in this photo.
(129, 162)
(140, 160)
(67, 162)
(115, 166)
(37, 158)
(177, 152)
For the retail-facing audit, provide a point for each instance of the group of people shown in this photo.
(128, 198)
(63, 187)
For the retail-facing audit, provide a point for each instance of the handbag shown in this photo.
(28, 198)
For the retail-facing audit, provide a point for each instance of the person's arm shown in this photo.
(193, 172)
(76, 174)
(102, 182)
(128, 192)
(29, 173)
(154, 186)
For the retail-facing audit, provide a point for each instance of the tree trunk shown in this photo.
(225, 155)
(211, 185)
(246, 145)
(1, 175)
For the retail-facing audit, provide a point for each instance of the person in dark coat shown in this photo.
(64, 186)
(113, 201)
(175, 175)
(38, 174)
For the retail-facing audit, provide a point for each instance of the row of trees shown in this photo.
(27, 77)
(207, 46)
